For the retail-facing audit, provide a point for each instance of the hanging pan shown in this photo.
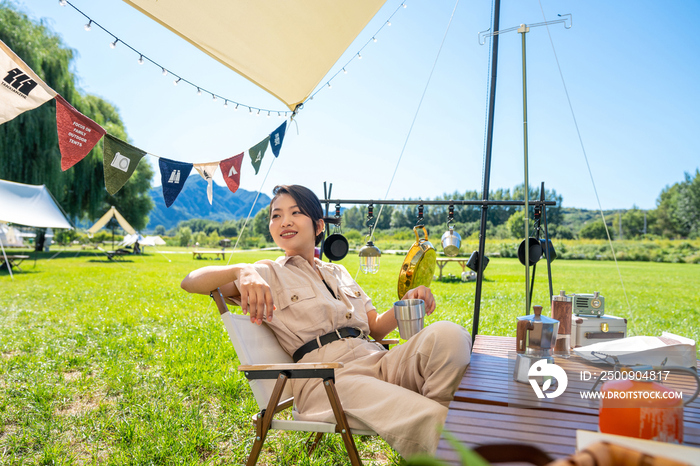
(419, 265)
(336, 245)
(535, 251)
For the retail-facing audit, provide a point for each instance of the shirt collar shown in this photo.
(282, 260)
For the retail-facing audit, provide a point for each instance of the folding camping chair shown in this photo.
(263, 361)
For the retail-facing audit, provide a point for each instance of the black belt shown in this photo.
(345, 332)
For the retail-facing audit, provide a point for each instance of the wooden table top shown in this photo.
(490, 407)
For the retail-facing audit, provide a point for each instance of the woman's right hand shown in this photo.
(256, 296)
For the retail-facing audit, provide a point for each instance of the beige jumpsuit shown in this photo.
(401, 394)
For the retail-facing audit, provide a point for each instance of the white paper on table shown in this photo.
(683, 453)
(630, 351)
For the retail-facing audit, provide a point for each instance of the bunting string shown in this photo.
(201, 90)
(166, 71)
(21, 90)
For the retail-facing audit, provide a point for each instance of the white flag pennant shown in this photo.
(207, 170)
(20, 88)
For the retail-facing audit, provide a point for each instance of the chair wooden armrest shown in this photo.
(325, 371)
(290, 367)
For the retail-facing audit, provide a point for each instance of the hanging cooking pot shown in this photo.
(419, 265)
(335, 247)
(535, 251)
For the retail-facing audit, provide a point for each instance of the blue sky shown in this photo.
(632, 70)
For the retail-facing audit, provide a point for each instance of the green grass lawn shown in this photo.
(112, 363)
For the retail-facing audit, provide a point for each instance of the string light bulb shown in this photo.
(176, 81)
(388, 23)
(236, 108)
(329, 84)
(359, 56)
(268, 114)
(345, 71)
(62, 2)
(113, 45)
(213, 97)
(279, 115)
(225, 103)
(199, 91)
(88, 26)
(374, 39)
(141, 60)
(258, 114)
(165, 72)
(403, 5)
(250, 110)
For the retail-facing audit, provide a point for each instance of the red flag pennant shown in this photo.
(77, 134)
(231, 169)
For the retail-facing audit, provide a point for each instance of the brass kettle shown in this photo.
(419, 265)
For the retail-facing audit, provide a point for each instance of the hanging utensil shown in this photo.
(419, 265)
(451, 240)
(336, 245)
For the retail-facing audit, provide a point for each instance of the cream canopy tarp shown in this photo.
(30, 205)
(284, 46)
(112, 212)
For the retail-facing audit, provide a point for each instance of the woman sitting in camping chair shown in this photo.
(402, 394)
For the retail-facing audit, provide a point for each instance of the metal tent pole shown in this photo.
(487, 169)
(523, 29)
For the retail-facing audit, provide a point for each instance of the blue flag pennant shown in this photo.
(276, 138)
(173, 175)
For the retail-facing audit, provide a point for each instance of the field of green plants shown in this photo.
(112, 363)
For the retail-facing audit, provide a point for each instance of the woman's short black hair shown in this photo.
(306, 200)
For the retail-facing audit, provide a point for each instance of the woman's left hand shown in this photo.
(424, 293)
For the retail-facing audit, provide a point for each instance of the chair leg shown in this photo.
(313, 441)
(264, 420)
(342, 422)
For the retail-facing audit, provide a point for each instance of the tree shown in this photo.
(184, 236)
(160, 230)
(595, 230)
(689, 203)
(668, 220)
(29, 143)
(261, 224)
(633, 222)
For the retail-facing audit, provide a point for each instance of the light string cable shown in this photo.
(410, 129)
(358, 55)
(166, 71)
(585, 156)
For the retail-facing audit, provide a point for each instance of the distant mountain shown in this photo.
(193, 203)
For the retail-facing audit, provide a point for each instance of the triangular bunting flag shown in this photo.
(231, 169)
(207, 171)
(20, 88)
(120, 161)
(276, 139)
(77, 134)
(257, 152)
(173, 175)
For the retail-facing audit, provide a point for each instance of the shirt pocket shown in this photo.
(297, 306)
(351, 291)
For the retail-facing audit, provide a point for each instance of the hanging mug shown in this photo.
(451, 242)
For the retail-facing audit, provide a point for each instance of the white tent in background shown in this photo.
(153, 241)
(10, 236)
(112, 212)
(30, 205)
(302, 39)
(131, 239)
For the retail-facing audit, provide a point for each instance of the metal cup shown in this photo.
(410, 314)
(451, 241)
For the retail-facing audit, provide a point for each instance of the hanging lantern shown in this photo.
(369, 257)
(370, 254)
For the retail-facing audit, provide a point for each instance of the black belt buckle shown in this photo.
(345, 332)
